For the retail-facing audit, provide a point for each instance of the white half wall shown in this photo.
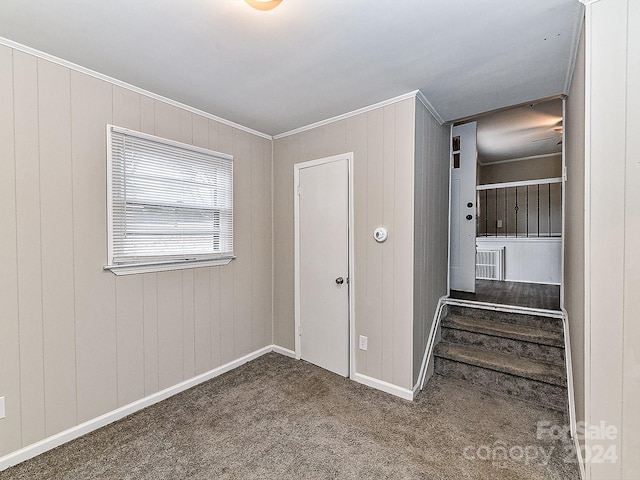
(533, 260)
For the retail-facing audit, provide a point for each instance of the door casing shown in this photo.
(466, 244)
(351, 251)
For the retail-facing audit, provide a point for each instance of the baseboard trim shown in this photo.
(416, 389)
(72, 433)
(581, 466)
(571, 392)
(383, 386)
(431, 343)
(284, 351)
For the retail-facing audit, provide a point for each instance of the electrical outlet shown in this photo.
(363, 342)
(2, 412)
(499, 223)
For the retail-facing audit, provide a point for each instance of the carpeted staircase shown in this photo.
(513, 353)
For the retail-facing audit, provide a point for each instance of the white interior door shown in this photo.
(322, 240)
(462, 267)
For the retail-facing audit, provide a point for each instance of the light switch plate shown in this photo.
(2, 411)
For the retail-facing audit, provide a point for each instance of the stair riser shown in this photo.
(534, 351)
(551, 396)
(547, 323)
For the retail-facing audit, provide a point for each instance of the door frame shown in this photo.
(562, 206)
(450, 208)
(350, 249)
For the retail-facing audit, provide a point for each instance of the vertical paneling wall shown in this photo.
(76, 341)
(574, 229)
(431, 236)
(612, 232)
(382, 142)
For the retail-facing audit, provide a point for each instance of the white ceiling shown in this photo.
(307, 61)
(520, 133)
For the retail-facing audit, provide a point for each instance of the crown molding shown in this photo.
(114, 81)
(414, 94)
(575, 46)
(344, 116)
(64, 63)
(427, 104)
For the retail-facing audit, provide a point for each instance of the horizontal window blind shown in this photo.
(169, 201)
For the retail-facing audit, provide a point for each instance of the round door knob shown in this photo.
(339, 280)
(469, 217)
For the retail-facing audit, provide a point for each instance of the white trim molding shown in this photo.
(541, 181)
(573, 55)
(100, 76)
(284, 351)
(505, 308)
(348, 156)
(427, 104)
(384, 103)
(384, 386)
(571, 393)
(72, 433)
(136, 268)
(431, 343)
(119, 83)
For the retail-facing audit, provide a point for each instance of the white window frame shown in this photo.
(157, 263)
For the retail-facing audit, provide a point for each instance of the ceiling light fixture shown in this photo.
(263, 4)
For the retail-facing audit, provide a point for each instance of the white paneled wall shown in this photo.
(431, 226)
(77, 341)
(574, 271)
(383, 142)
(612, 234)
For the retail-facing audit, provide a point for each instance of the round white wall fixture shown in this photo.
(380, 234)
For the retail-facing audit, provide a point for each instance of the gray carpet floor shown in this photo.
(532, 295)
(280, 418)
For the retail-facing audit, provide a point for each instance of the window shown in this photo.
(170, 205)
(455, 147)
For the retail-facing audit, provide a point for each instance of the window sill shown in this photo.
(134, 268)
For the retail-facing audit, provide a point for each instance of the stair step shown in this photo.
(508, 346)
(510, 364)
(549, 324)
(514, 331)
(551, 396)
